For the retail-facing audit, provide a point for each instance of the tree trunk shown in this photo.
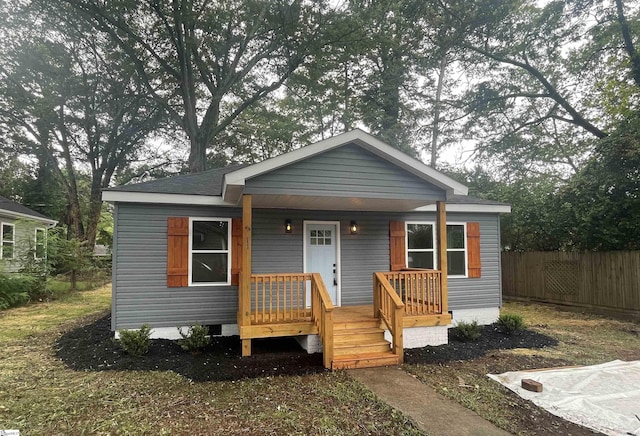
(93, 217)
(628, 42)
(198, 154)
(436, 111)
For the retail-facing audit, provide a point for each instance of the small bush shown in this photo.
(16, 289)
(468, 331)
(195, 339)
(135, 342)
(510, 323)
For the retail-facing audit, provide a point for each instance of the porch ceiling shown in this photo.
(336, 203)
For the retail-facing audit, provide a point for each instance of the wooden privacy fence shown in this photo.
(608, 280)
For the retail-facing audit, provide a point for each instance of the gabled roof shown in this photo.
(204, 183)
(224, 186)
(234, 181)
(16, 210)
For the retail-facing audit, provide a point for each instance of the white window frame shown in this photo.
(435, 245)
(466, 256)
(44, 243)
(12, 241)
(227, 251)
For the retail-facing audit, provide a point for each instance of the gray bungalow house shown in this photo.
(23, 232)
(351, 246)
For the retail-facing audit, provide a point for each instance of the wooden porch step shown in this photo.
(366, 323)
(365, 360)
(357, 335)
(370, 346)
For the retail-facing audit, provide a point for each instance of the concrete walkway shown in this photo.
(433, 413)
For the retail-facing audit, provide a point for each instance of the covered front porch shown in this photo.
(299, 304)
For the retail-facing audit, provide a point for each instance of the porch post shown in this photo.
(244, 298)
(441, 224)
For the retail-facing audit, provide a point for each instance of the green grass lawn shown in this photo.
(42, 396)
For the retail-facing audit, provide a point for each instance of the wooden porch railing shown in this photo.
(322, 313)
(419, 290)
(294, 298)
(388, 306)
(279, 298)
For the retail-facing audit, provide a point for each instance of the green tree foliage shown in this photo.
(206, 62)
(601, 204)
(73, 102)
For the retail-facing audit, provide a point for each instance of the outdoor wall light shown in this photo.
(287, 226)
(353, 227)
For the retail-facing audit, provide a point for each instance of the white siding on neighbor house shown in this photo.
(24, 237)
(140, 245)
(348, 171)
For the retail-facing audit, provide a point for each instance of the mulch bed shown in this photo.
(92, 348)
(491, 338)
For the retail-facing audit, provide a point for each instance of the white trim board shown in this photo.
(17, 215)
(159, 198)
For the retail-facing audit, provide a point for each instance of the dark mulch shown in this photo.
(92, 348)
(491, 338)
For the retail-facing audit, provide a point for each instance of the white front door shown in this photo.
(322, 242)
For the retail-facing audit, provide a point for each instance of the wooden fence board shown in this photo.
(609, 280)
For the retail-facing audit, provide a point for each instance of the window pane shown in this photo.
(7, 233)
(420, 235)
(455, 236)
(420, 259)
(7, 251)
(210, 235)
(456, 263)
(209, 268)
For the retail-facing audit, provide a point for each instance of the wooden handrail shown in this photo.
(389, 308)
(322, 314)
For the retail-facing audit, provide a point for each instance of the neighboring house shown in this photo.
(23, 232)
(337, 243)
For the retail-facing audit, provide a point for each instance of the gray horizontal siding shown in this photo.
(141, 295)
(348, 171)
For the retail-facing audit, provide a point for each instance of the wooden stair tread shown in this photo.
(357, 331)
(368, 360)
(361, 342)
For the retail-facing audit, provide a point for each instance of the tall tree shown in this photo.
(74, 103)
(207, 62)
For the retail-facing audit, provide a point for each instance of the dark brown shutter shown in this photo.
(177, 252)
(236, 250)
(473, 250)
(397, 250)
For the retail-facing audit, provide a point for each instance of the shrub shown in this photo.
(468, 331)
(16, 289)
(136, 342)
(510, 323)
(195, 339)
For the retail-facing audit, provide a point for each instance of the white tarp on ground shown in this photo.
(602, 397)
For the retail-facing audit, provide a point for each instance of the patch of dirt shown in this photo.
(491, 338)
(92, 348)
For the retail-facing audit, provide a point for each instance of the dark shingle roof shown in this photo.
(204, 183)
(466, 199)
(12, 206)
